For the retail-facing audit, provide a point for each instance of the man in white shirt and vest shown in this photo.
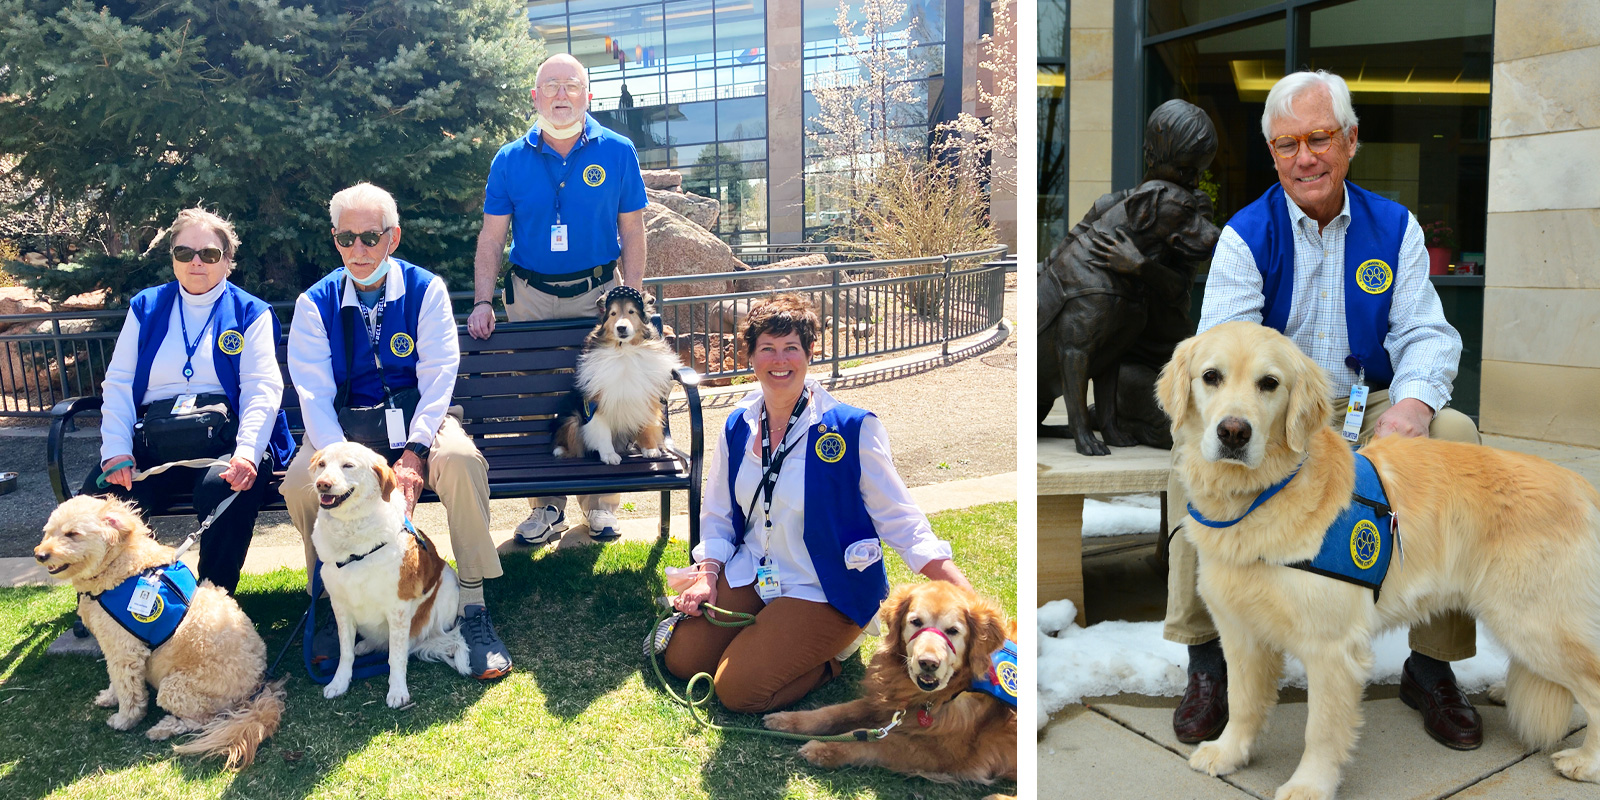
(1344, 273)
(376, 329)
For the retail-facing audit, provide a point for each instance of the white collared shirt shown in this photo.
(438, 360)
(898, 521)
(260, 382)
(1424, 348)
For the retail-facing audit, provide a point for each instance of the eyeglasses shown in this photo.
(1317, 142)
(552, 88)
(368, 238)
(184, 255)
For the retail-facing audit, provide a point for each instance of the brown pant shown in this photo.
(1451, 636)
(768, 665)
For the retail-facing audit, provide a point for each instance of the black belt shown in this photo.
(573, 283)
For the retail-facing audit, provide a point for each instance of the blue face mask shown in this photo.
(377, 274)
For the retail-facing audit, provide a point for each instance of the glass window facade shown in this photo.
(1053, 102)
(686, 80)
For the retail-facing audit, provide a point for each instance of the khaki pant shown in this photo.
(457, 472)
(1451, 636)
(768, 665)
(532, 304)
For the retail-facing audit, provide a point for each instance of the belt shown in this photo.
(572, 284)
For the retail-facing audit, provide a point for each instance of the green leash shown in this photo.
(739, 619)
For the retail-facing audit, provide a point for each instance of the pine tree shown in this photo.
(260, 110)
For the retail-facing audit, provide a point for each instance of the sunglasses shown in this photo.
(184, 255)
(368, 238)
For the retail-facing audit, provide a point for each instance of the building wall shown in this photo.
(785, 136)
(1541, 315)
(1089, 117)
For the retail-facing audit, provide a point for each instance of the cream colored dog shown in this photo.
(206, 676)
(1510, 538)
(383, 582)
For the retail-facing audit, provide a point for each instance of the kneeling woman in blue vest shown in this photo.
(801, 491)
(195, 344)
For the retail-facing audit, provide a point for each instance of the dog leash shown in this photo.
(197, 463)
(739, 619)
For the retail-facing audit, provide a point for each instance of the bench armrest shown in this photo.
(55, 447)
(690, 380)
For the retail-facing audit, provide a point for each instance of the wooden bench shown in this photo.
(1065, 478)
(510, 387)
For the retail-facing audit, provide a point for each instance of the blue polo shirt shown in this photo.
(602, 179)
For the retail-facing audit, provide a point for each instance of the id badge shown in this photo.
(767, 581)
(144, 597)
(395, 420)
(184, 404)
(558, 238)
(1354, 412)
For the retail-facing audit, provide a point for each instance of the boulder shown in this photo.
(760, 283)
(857, 301)
(35, 259)
(702, 211)
(88, 301)
(21, 300)
(680, 247)
(668, 180)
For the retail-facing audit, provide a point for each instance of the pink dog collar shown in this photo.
(933, 630)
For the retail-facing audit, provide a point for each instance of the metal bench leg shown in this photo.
(666, 515)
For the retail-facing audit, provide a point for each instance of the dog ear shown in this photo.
(1309, 408)
(1143, 207)
(893, 613)
(120, 517)
(386, 481)
(600, 304)
(986, 634)
(1172, 387)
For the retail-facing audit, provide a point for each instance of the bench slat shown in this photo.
(477, 408)
(487, 363)
(526, 341)
(543, 383)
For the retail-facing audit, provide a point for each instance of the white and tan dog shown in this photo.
(208, 675)
(624, 373)
(1510, 538)
(384, 582)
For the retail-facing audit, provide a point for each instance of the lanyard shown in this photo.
(374, 326)
(190, 347)
(555, 185)
(771, 464)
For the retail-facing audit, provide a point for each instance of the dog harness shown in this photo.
(174, 585)
(1000, 681)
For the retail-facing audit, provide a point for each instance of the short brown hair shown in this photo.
(223, 229)
(781, 315)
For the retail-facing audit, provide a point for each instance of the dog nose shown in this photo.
(929, 665)
(41, 556)
(323, 486)
(1234, 432)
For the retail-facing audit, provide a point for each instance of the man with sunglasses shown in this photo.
(377, 336)
(571, 194)
(1343, 273)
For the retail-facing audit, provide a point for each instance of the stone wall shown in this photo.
(1541, 315)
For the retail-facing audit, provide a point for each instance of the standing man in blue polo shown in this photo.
(571, 194)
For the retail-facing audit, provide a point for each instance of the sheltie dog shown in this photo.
(624, 373)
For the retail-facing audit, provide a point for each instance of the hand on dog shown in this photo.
(122, 477)
(703, 590)
(1409, 418)
(240, 474)
(408, 474)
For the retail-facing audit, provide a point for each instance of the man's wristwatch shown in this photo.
(420, 449)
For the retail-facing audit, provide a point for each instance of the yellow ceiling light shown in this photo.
(1253, 76)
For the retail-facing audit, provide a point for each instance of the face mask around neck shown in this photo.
(549, 127)
(376, 276)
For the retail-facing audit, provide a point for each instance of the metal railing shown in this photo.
(887, 307)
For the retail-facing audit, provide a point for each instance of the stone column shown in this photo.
(1089, 112)
(785, 124)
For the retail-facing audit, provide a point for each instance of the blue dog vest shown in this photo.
(1358, 545)
(175, 587)
(1001, 680)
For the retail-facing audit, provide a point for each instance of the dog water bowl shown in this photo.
(8, 482)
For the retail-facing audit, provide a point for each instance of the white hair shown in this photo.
(364, 196)
(1280, 101)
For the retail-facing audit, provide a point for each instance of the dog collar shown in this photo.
(1260, 498)
(354, 559)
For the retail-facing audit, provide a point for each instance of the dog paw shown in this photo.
(559, 451)
(339, 685)
(168, 727)
(651, 453)
(107, 698)
(123, 722)
(822, 754)
(365, 646)
(1497, 693)
(1302, 791)
(1213, 759)
(611, 458)
(398, 696)
(1575, 765)
(782, 721)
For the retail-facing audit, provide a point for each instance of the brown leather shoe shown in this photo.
(1447, 714)
(1204, 710)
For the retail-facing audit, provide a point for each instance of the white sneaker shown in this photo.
(541, 526)
(854, 646)
(603, 526)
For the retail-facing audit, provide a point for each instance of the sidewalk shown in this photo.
(1109, 748)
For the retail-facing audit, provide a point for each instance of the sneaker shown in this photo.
(656, 643)
(542, 525)
(603, 526)
(486, 653)
(854, 646)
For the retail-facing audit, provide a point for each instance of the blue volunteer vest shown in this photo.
(237, 310)
(175, 587)
(398, 347)
(1001, 680)
(1371, 256)
(836, 515)
(1358, 545)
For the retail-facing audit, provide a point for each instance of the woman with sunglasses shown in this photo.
(188, 349)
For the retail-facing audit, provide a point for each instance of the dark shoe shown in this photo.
(1204, 711)
(1447, 714)
(486, 654)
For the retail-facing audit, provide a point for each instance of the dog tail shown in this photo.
(1540, 710)
(236, 734)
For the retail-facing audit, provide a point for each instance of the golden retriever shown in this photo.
(207, 675)
(948, 733)
(1510, 538)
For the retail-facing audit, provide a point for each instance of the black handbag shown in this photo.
(166, 433)
(368, 425)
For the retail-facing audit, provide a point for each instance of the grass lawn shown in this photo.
(581, 716)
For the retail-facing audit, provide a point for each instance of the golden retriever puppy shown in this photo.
(938, 637)
(207, 674)
(1510, 538)
(385, 578)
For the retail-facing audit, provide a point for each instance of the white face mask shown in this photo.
(547, 126)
